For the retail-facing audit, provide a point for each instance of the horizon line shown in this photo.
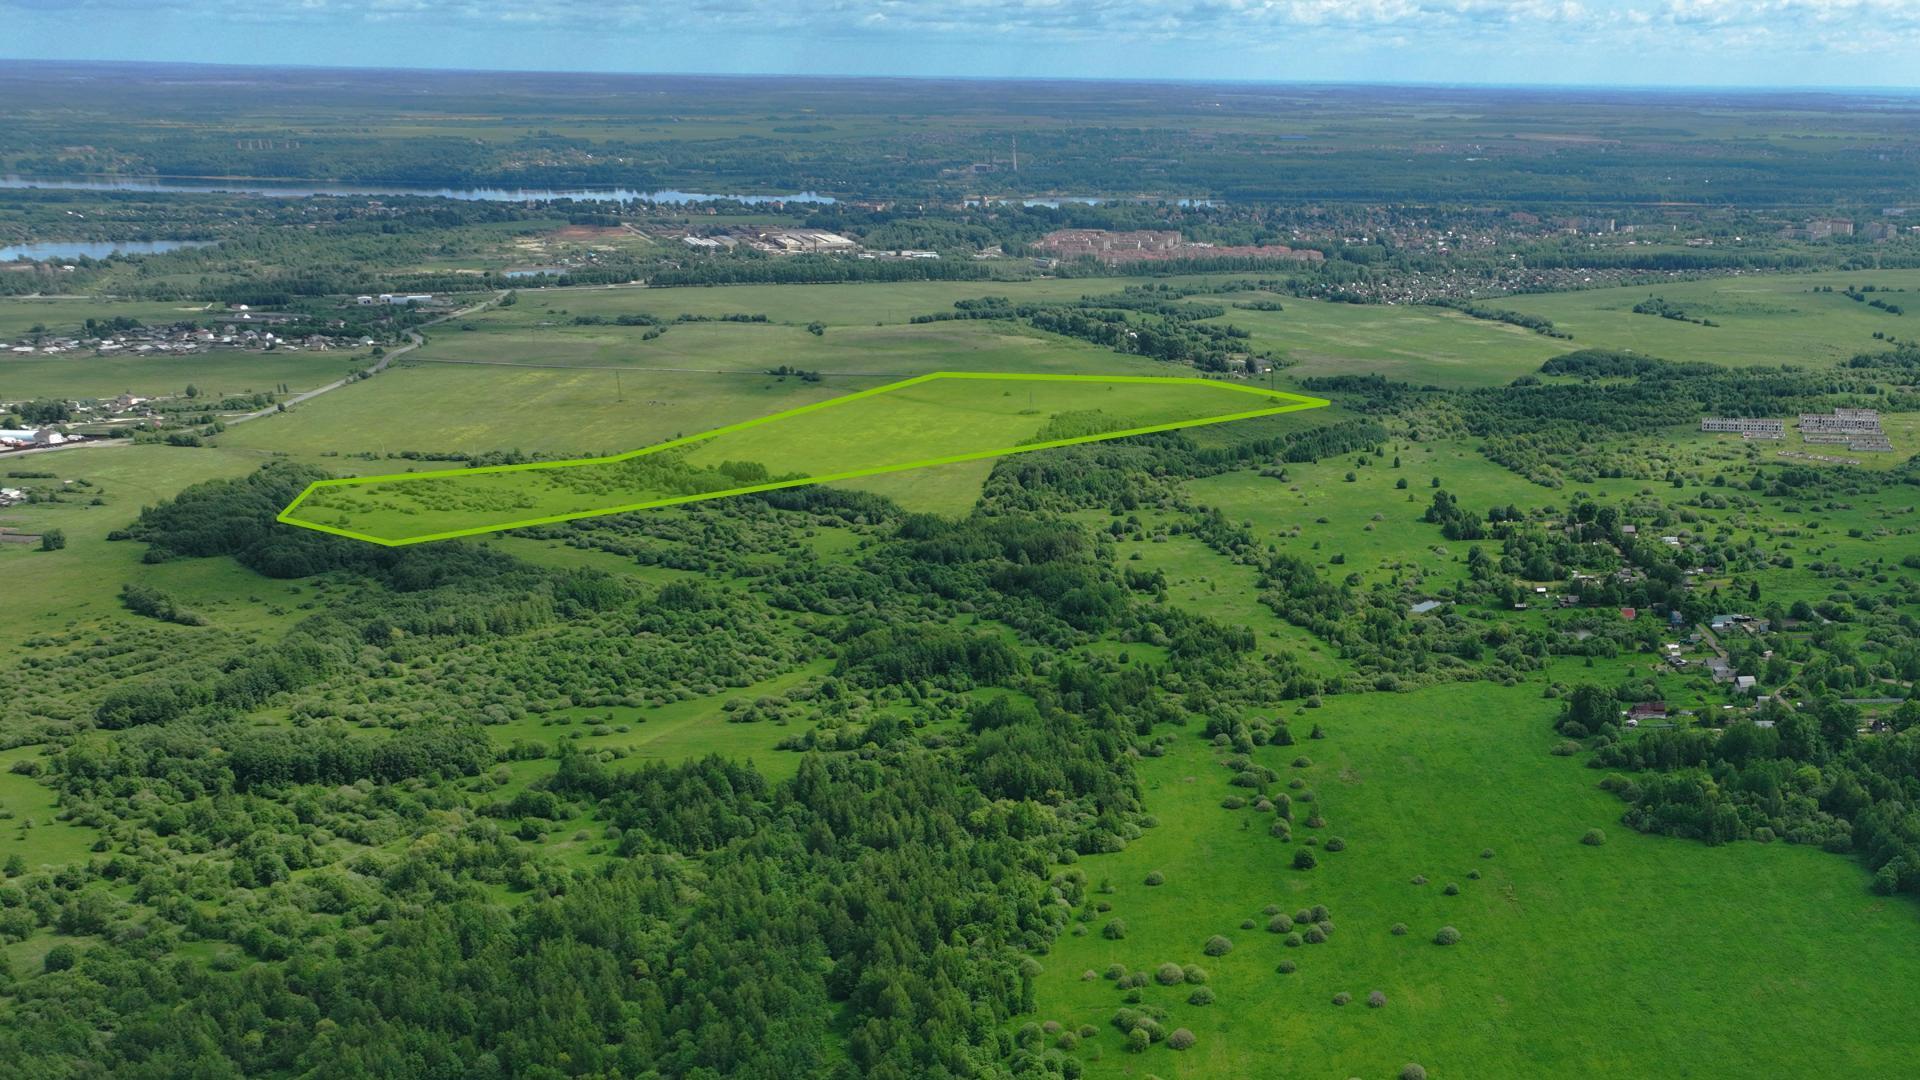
(1163, 80)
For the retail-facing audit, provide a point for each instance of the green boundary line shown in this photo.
(1295, 403)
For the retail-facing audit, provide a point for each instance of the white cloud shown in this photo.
(1491, 37)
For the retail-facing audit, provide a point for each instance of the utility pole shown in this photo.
(1016, 153)
(618, 394)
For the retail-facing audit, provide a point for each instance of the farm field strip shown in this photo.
(937, 419)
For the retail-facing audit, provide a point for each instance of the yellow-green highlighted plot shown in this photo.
(934, 419)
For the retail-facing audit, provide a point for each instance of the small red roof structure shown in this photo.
(1628, 614)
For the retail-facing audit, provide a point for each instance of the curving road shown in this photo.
(414, 342)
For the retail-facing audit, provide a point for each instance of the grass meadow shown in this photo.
(1642, 957)
(1763, 318)
(214, 374)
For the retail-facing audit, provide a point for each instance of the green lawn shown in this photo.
(1643, 957)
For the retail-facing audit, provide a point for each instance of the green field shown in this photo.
(214, 374)
(1411, 343)
(627, 392)
(47, 590)
(65, 315)
(1636, 958)
(936, 419)
(1763, 318)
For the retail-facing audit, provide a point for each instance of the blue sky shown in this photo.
(1632, 42)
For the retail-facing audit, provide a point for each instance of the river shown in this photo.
(57, 250)
(299, 190)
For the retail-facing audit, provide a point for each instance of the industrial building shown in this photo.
(1745, 427)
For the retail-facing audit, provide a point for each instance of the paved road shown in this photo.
(414, 342)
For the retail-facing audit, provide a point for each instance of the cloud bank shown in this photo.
(1759, 42)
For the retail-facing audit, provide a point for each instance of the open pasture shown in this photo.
(1409, 343)
(1761, 318)
(1603, 947)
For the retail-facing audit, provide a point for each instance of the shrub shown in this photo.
(1181, 1039)
(1486, 853)
(1279, 924)
(1302, 762)
(1088, 1031)
(1293, 941)
(1451, 889)
(1304, 860)
(1594, 838)
(1318, 913)
(1281, 829)
(60, 957)
(1270, 909)
(1168, 974)
(1446, 935)
(1315, 821)
(1412, 1071)
(52, 540)
(1335, 843)
(1399, 929)
(1114, 930)
(1138, 1041)
(1473, 875)
(1287, 967)
(1067, 1040)
(1194, 973)
(1217, 946)
(1116, 971)
(1156, 878)
(1246, 924)
(1342, 998)
(1419, 879)
(1376, 1000)
(1304, 915)
(1202, 995)
(1315, 935)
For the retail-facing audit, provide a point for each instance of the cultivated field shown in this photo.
(915, 423)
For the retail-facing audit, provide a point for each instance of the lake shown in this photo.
(478, 194)
(55, 250)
